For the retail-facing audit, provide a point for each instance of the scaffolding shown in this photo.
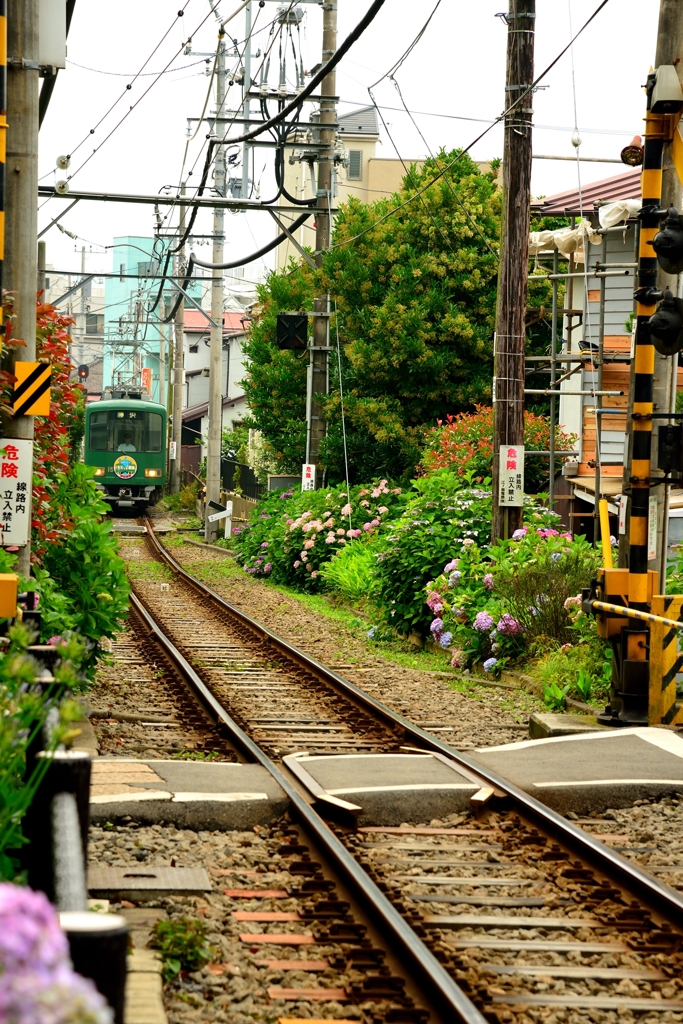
(571, 359)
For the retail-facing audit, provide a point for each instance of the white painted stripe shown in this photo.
(665, 739)
(221, 798)
(611, 782)
(123, 797)
(399, 789)
(365, 757)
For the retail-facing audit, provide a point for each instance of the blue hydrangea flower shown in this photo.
(490, 664)
(371, 632)
(445, 640)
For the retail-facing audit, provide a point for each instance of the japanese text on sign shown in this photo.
(16, 464)
(308, 476)
(511, 475)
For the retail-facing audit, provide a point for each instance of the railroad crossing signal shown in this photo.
(83, 371)
(32, 389)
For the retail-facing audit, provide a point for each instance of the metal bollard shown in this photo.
(99, 944)
(68, 773)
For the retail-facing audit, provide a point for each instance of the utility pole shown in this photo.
(213, 455)
(178, 359)
(83, 317)
(21, 185)
(246, 105)
(669, 51)
(319, 356)
(508, 381)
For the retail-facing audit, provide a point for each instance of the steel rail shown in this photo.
(618, 869)
(442, 991)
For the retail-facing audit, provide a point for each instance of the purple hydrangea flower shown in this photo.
(451, 566)
(509, 626)
(519, 534)
(267, 567)
(437, 627)
(490, 664)
(482, 622)
(265, 544)
(445, 640)
(488, 581)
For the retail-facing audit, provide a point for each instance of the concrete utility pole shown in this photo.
(83, 317)
(508, 382)
(669, 51)
(213, 455)
(178, 360)
(21, 185)
(319, 365)
(246, 105)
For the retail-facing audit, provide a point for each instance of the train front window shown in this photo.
(125, 430)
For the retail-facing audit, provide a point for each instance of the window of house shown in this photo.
(355, 163)
(94, 323)
(194, 346)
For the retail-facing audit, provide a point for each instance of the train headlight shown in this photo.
(152, 472)
(100, 471)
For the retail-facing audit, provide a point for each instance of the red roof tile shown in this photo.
(195, 321)
(609, 190)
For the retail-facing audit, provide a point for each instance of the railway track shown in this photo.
(511, 913)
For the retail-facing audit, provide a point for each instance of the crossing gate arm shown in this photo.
(665, 659)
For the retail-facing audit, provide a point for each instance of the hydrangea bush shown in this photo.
(293, 533)
(38, 984)
(491, 602)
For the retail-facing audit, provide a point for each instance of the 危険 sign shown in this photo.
(511, 475)
(16, 474)
(308, 476)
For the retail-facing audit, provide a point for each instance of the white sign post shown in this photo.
(511, 475)
(16, 477)
(308, 476)
(172, 450)
(225, 514)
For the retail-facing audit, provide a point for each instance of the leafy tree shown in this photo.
(415, 301)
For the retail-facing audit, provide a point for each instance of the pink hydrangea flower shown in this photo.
(520, 534)
(296, 564)
(309, 544)
(340, 531)
(382, 509)
(346, 511)
(451, 565)
(365, 504)
(367, 527)
(330, 539)
(375, 522)
(488, 581)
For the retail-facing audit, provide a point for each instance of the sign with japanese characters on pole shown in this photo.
(308, 476)
(511, 475)
(16, 470)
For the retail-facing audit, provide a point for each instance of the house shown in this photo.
(597, 318)
(196, 390)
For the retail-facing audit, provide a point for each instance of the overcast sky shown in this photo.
(453, 81)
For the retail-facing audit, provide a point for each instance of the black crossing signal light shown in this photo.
(668, 243)
(666, 325)
(292, 331)
(83, 371)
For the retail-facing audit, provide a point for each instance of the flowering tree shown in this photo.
(464, 443)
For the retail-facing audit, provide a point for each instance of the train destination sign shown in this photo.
(16, 473)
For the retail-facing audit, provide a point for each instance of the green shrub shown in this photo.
(82, 582)
(182, 944)
(292, 534)
(429, 534)
(23, 711)
(351, 571)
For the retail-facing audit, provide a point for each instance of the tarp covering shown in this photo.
(565, 240)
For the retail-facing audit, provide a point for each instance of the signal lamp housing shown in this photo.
(668, 243)
(632, 155)
(666, 325)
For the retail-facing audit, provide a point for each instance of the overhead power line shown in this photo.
(463, 152)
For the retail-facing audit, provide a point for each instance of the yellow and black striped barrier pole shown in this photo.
(656, 133)
(3, 148)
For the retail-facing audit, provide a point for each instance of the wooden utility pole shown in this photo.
(669, 51)
(21, 188)
(508, 382)
(319, 375)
